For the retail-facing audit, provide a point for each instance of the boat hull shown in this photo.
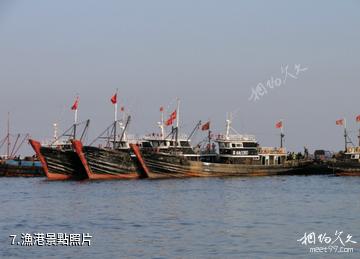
(345, 168)
(161, 165)
(106, 164)
(59, 164)
(20, 170)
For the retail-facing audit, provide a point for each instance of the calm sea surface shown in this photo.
(259, 217)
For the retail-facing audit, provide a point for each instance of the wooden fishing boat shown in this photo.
(177, 165)
(348, 164)
(28, 167)
(239, 155)
(114, 161)
(58, 159)
(11, 164)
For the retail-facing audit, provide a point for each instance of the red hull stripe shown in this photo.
(36, 146)
(78, 149)
(137, 152)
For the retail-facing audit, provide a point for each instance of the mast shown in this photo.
(345, 135)
(177, 112)
(115, 118)
(209, 136)
(55, 132)
(177, 121)
(228, 125)
(282, 135)
(161, 123)
(8, 136)
(75, 117)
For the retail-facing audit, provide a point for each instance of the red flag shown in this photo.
(340, 122)
(206, 126)
(279, 125)
(169, 122)
(161, 109)
(358, 118)
(114, 99)
(76, 104)
(173, 115)
(171, 119)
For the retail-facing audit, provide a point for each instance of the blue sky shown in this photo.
(210, 54)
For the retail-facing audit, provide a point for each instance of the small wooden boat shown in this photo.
(27, 167)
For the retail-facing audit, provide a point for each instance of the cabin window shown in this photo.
(146, 144)
(250, 144)
(184, 143)
(233, 145)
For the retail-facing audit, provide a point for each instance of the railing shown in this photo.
(353, 150)
(272, 150)
(236, 138)
(181, 137)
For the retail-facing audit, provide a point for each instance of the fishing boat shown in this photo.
(165, 156)
(58, 158)
(112, 161)
(239, 155)
(347, 163)
(11, 164)
(17, 167)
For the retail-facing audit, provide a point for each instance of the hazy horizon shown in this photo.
(210, 54)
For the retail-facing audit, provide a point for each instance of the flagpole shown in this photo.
(282, 135)
(177, 121)
(8, 136)
(115, 118)
(162, 123)
(345, 134)
(76, 116)
(178, 112)
(115, 112)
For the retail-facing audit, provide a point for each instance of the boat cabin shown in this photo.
(182, 146)
(244, 149)
(353, 154)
